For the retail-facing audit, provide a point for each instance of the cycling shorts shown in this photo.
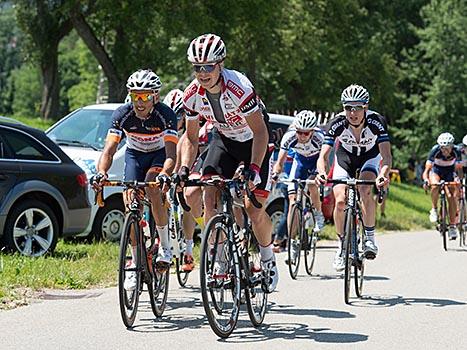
(302, 168)
(138, 163)
(346, 164)
(444, 173)
(224, 156)
(198, 165)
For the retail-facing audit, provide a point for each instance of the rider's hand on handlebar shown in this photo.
(252, 176)
(164, 181)
(321, 179)
(96, 181)
(381, 181)
(426, 184)
(274, 177)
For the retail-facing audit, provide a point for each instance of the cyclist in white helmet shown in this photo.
(443, 161)
(463, 150)
(363, 145)
(174, 99)
(228, 100)
(150, 128)
(305, 139)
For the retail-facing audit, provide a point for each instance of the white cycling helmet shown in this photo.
(305, 120)
(464, 140)
(207, 48)
(174, 100)
(355, 93)
(445, 139)
(128, 98)
(144, 79)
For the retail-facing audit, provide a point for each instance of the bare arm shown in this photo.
(260, 137)
(426, 172)
(170, 158)
(179, 152)
(323, 159)
(189, 145)
(105, 160)
(282, 156)
(386, 163)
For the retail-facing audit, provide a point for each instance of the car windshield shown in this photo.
(85, 128)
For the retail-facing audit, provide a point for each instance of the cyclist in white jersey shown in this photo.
(363, 145)
(305, 139)
(227, 99)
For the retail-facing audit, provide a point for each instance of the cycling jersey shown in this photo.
(237, 100)
(308, 149)
(439, 160)
(373, 133)
(144, 135)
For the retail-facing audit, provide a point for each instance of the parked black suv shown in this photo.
(43, 193)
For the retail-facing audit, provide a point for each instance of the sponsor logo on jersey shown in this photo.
(115, 132)
(205, 101)
(376, 123)
(237, 90)
(205, 109)
(249, 105)
(155, 129)
(190, 92)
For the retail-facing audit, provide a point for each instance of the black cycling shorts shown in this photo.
(225, 155)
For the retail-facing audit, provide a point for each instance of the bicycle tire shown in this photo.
(129, 300)
(462, 222)
(443, 226)
(216, 289)
(294, 238)
(310, 248)
(348, 260)
(158, 290)
(256, 298)
(359, 266)
(182, 276)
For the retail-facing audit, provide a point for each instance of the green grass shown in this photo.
(72, 266)
(407, 208)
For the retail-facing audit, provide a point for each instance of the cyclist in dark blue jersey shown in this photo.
(150, 130)
(441, 164)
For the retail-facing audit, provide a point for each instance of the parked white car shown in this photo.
(81, 135)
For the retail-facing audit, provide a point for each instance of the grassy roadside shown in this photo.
(37, 123)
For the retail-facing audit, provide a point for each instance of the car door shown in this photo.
(9, 168)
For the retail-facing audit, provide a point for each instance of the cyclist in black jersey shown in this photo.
(150, 130)
(363, 145)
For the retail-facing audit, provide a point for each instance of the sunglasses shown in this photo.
(207, 68)
(304, 133)
(143, 96)
(354, 108)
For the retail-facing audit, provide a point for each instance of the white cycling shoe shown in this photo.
(270, 274)
(338, 263)
(433, 216)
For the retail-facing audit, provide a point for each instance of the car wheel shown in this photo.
(108, 223)
(275, 211)
(31, 228)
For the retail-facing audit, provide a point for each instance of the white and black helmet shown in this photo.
(144, 79)
(174, 100)
(305, 120)
(464, 140)
(355, 93)
(207, 48)
(445, 139)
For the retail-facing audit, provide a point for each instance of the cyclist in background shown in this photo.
(174, 99)
(441, 164)
(305, 139)
(150, 128)
(227, 99)
(363, 145)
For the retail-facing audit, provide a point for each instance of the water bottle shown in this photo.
(145, 224)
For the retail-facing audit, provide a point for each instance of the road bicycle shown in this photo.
(303, 229)
(145, 251)
(230, 267)
(354, 235)
(462, 225)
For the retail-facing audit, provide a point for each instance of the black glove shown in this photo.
(163, 179)
(96, 180)
(183, 173)
(251, 172)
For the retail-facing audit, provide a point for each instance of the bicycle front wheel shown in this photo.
(349, 224)
(311, 239)
(129, 269)
(359, 266)
(158, 290)
(462, 222)
(220, 276)
(294, 240)
(256, 298)
(443, 224)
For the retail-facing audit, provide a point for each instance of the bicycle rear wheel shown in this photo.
(347, 254)
(294, 240)
(462, 222)
(311, 236)
(256, 298)
(129, 299)
(175, 220)
(220, 276)
(182, 276)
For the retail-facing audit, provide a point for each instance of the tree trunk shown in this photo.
(86, 33)
(50, 84)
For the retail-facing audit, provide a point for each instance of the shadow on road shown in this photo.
(290, 310)
(394, 300)
(289, 331)
(340, 276)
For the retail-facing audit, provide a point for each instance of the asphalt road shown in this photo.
(415, 298)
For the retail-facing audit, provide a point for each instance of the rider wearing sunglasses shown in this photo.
(363, 145)
(150, 130)
(443, 161)
(228, 100)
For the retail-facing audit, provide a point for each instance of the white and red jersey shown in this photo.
(237, 99)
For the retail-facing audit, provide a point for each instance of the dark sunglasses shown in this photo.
(208, 68)
(354, 108)
(304, 133)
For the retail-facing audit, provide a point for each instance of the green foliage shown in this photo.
(27, 91)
